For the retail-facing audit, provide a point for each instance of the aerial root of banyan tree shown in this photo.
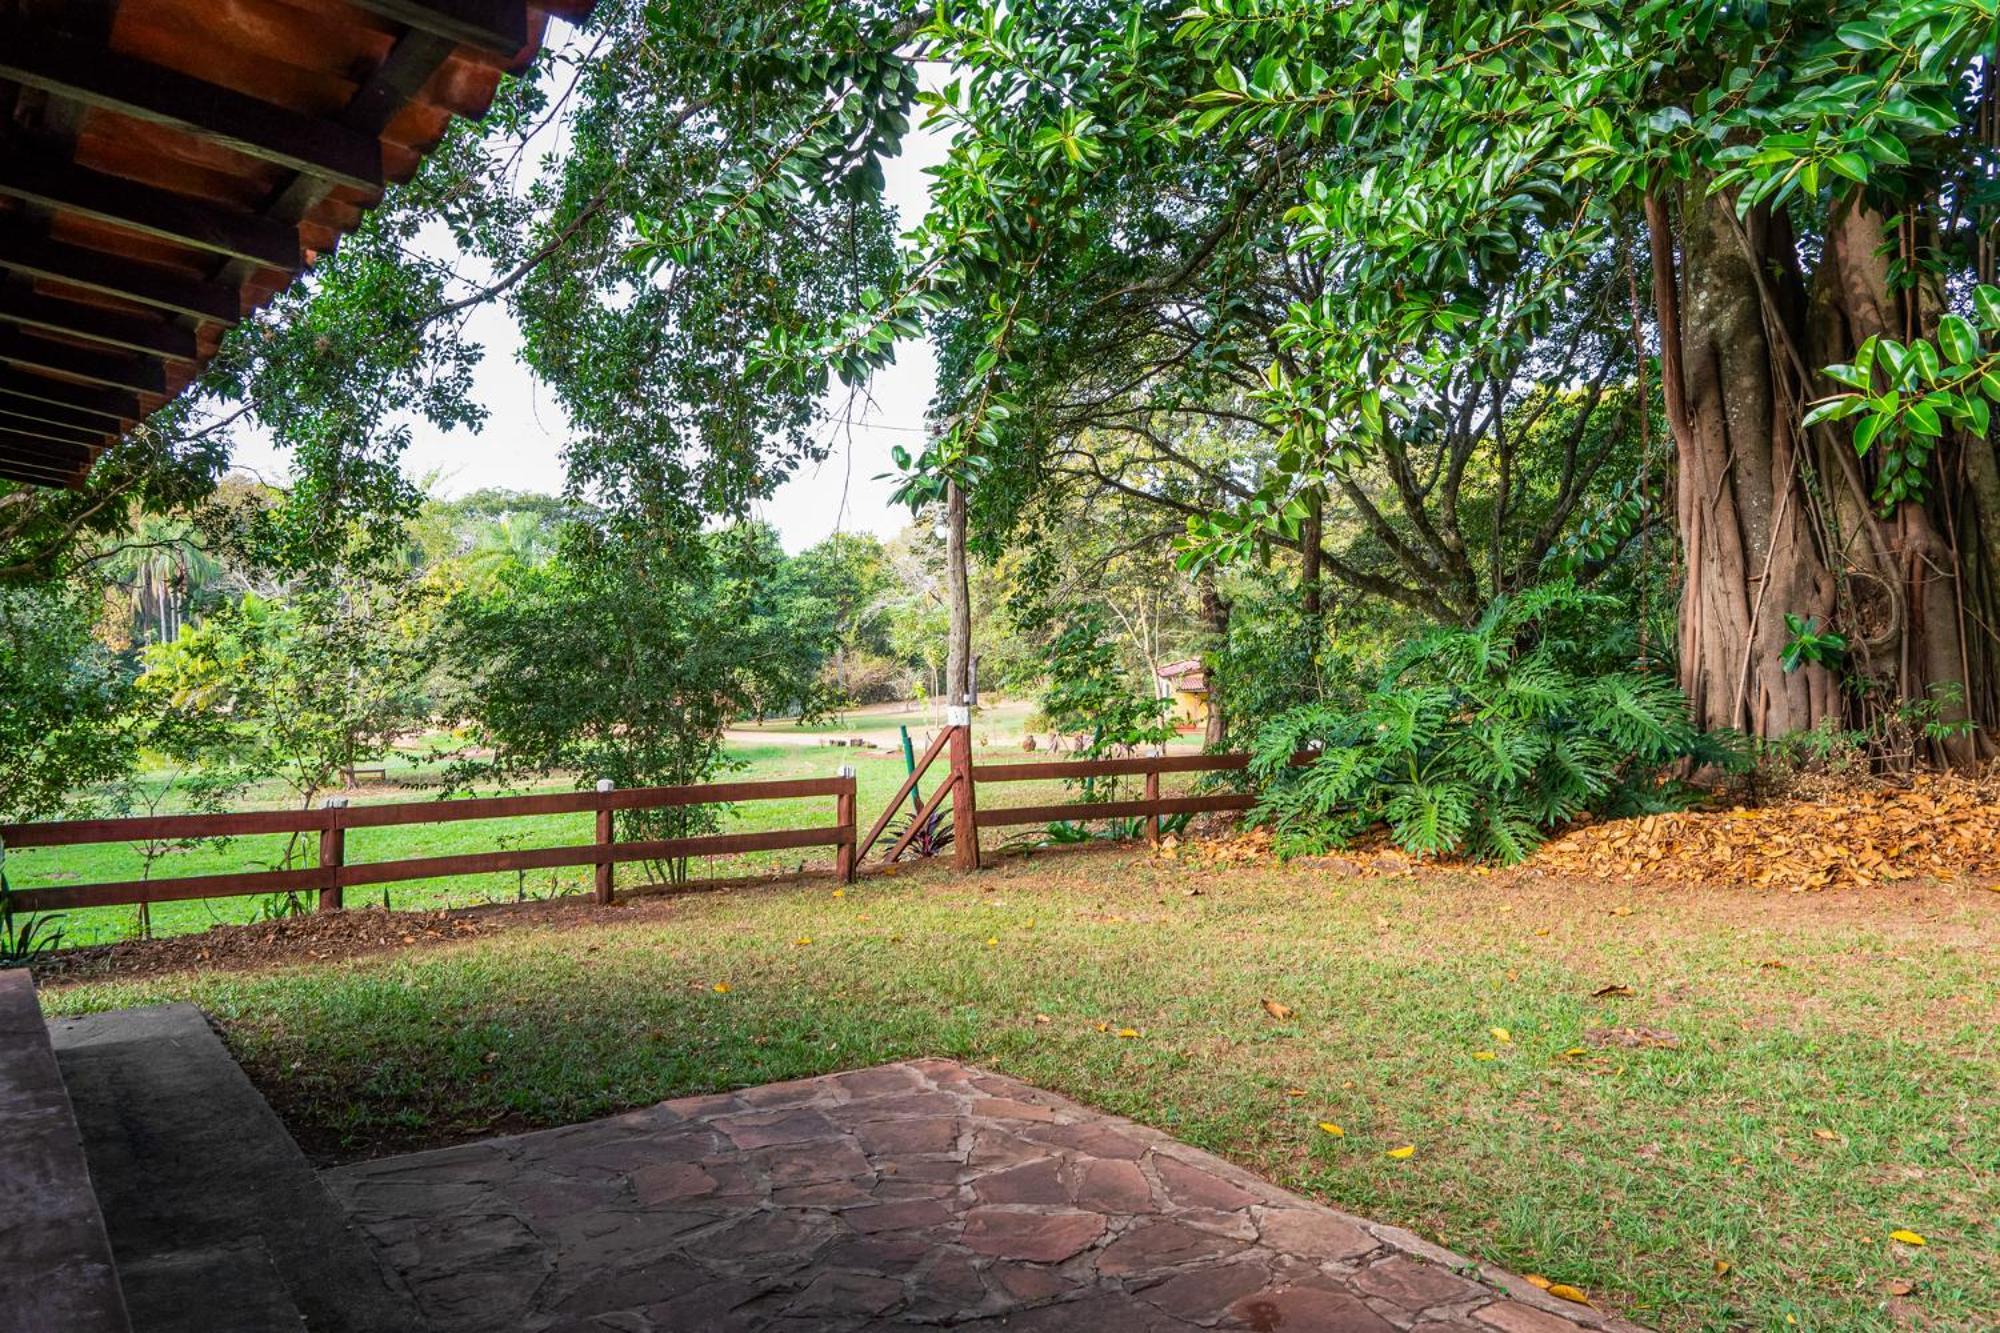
(1776, 521)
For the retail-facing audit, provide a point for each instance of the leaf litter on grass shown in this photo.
(1941, 826)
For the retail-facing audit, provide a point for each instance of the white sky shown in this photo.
(520, 446)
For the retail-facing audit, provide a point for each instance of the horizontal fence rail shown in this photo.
(331, 823)
(1151, 807)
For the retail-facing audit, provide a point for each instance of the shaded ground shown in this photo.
(1727, 1146)
(920, 1195)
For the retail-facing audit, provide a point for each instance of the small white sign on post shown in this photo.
(604, 784)
(958, 715)
(846, 771)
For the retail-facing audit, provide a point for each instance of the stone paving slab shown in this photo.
(920, 1195)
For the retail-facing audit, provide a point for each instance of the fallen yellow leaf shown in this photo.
(1295, 1092)
(803, 939)
(1399, 1154)
(1564, 1291)
(1484, 1055)
(840, 893)
(720, 988)
(1536, 1280)
(1276, 1010)
(1128, 1032)
(1826, 1134)
(1575, 1051)
(1104, 1027)
(1333, 1129)
(1501, 1035)
(992, 940)
(1721, 1267)
(1907, 1237)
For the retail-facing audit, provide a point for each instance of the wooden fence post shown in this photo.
(964, 803)
(604, 868)
(843, 815)
(1153, 795)
(332, 853)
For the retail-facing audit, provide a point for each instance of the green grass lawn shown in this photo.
(1830, 1076)
(878, 775)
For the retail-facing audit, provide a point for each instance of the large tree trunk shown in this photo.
(958, 654)
(1774, 523)
(1917, 579)
(1732, 403)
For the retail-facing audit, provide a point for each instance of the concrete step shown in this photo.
(56, 1274)
(214, 1214)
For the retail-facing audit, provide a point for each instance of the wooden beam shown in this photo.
(32, 55)
(120, 407)
(499, 26)
(75, 418)
(57, 454)
(24, 252)
(38, 473)
(52, 183)
(133, 333)
(23, 424)
(114, 369)
(411, 62)
(401, 76)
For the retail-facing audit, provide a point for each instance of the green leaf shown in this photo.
(1956, 337)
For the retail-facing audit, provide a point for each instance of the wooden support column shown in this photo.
(964, 805)
(843, 808)
(604, 826)
(332, 853)
(958, 684)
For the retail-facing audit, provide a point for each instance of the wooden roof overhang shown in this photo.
(167, 166)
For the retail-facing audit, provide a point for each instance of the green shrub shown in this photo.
(1479, 741)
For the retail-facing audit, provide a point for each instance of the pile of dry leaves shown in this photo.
(1941, 826)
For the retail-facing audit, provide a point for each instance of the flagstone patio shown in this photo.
(918, 1195)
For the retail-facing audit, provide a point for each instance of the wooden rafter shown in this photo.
(116, 370)
(126, 248)
(258, 129)
(148, 284)
(63, 452)
(55, 415)
(497, 26)
(130, 332)
(118, 406)
(22, 423)
(56, 184)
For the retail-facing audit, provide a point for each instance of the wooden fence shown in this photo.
(334, 873)
(964, 779)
